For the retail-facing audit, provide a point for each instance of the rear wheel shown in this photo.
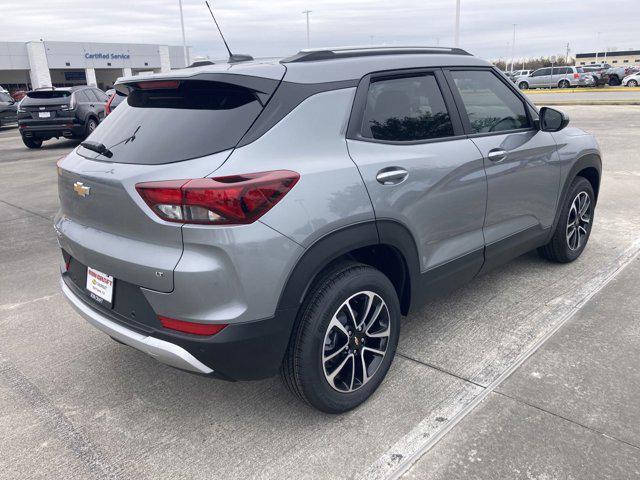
(32, 142)
(91, 126)
(564, 84)
(574, 227)
(345, 338)
(523, 85)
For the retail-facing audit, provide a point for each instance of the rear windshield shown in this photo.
(49, 94)
(194, 119)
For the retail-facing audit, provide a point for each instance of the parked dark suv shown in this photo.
(7, 109)
(72, 112)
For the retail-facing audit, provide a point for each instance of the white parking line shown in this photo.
(428, 432)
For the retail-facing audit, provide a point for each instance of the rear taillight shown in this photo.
(191, 327)
(107, 107)
(234, 200)
(576, 75)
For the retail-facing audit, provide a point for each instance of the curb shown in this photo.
(568, 91)
(560, 103)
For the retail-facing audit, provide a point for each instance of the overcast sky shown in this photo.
(275, 28)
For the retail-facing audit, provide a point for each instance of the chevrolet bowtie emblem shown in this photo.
(80, 189)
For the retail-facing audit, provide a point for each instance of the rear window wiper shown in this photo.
(98, 148)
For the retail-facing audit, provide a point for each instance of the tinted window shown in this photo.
(579, 70)
(490, 104)
(197, 118)
(91, 95)
(406, 109)
(100, 95)
(81, 96)
(49, 94)
(541, 72)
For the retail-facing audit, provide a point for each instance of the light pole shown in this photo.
(184, 40)
(597, 45)
(456, 37)
(513, 47)
(307, 12)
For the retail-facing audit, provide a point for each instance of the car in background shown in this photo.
(599, 73)
(560, 77)
(632, 80)
(617, 74)
(51, 112)
(8, 109)
(115, 99)
(520, 73)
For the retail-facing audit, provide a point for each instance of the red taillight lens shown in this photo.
(107, 107)
(576, 75)
(191, 327)
(234, 200)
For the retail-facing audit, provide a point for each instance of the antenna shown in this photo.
(232, 58)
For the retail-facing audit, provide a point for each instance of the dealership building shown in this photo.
(620, 57)
(25, 66)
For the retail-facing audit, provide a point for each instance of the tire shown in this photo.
(319, 347)
(632, 83)
(563, 247)
(32, 142)
(614, 81)
(91, 126)
(564, 84)
(523, 85)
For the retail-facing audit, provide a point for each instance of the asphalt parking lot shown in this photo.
(75, 404)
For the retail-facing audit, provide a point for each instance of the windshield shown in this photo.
(182, 120)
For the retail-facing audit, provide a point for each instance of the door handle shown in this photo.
(497, 155)
(391, 175)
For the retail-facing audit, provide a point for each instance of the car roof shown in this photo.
(332, 64)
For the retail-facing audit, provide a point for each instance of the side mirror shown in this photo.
(552, 120)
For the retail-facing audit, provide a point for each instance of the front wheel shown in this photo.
(574, 227)
(523, 85)
(345, 338)
(32, 142)
(632, 83)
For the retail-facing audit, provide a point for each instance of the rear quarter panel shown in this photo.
(311, 141)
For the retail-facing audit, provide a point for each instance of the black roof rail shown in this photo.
(351, 52)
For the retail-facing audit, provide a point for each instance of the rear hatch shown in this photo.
(44, 105)
(166, 130)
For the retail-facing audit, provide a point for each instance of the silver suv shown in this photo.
(246, 219)
(561, 77)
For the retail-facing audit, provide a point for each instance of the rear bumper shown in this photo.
(59, 128)
(244, 351)
(163, 351)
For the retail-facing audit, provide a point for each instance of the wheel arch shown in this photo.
(589, 166)
(385, 245)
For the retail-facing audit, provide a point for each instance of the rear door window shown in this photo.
(81, 96)
(491, 106)
(406, 109)
(180, 121)
(100, 95)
